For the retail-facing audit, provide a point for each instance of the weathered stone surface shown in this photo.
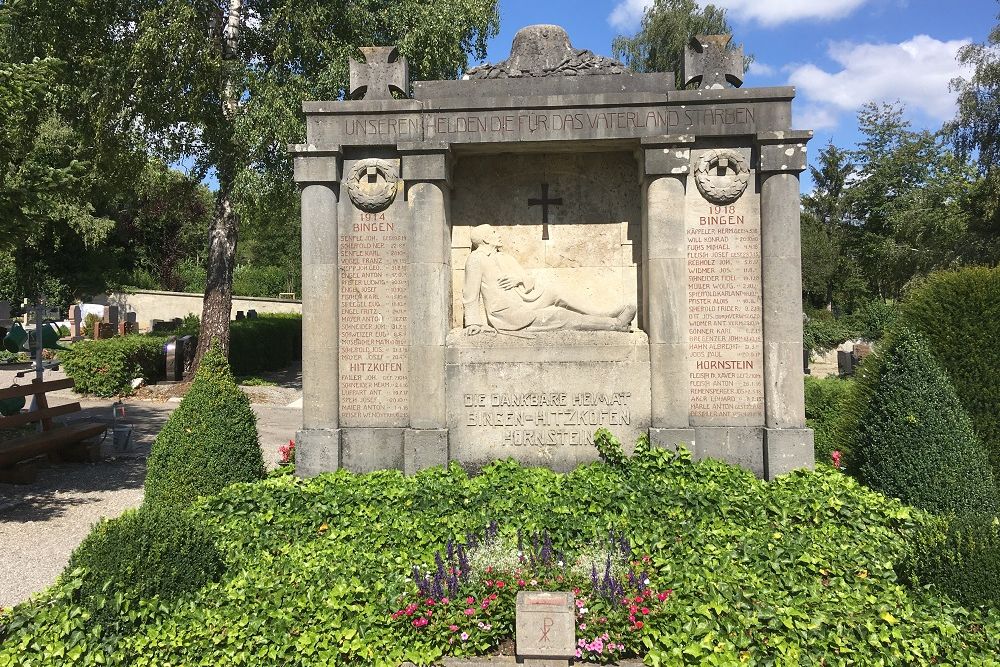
(370, 449)
(316, 451)
(742, 445)
(424, 448)
(545, 624)
(711, 64)
(540, 400)
(787, 449)
(545, 50)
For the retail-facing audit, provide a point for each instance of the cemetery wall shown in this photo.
(156, 305)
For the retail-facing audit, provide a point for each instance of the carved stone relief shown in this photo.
(722, 175)
(371, 184)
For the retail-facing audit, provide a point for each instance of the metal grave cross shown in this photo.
(710, 64)
(383, 71)
(544, 203)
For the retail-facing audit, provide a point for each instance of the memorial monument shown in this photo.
(503, 264)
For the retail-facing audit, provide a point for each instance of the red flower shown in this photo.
(499, 584)
(638, 625)
(419, 622)
(470, 600)
(645, 611)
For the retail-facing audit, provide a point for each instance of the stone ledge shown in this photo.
(547, 346)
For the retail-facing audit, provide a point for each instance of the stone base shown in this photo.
(787, 449)
(740, 445)
(316, 451)
(369, 449)
(669, 438)
(538, 397)
(424, 448)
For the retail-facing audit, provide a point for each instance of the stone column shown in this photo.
(318, 444)
(665, 167)
(788, 444)
(425, 171)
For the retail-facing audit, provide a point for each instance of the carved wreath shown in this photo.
(372, 196)
(722, 175)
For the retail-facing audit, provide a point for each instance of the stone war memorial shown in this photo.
(504, 264)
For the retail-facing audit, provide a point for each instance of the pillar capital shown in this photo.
(423, 161)
(667, 155)
(783, 151)
(315, 165)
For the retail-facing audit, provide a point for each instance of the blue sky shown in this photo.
(837, 53)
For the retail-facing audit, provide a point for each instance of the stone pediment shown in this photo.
(544, 51)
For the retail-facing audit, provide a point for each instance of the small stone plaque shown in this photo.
(545, 624)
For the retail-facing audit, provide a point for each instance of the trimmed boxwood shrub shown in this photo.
(911, 438)
(824, 402)
(957, 313)
(107, 367)
(208, 443)
(961, 556)
(268, 343)
(141, 555)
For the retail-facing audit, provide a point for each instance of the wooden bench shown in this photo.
(18, 457)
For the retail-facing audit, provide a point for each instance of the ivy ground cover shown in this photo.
(675, 562)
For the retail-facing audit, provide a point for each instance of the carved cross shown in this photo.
(383, 71)
(710, 64)
(544, 203)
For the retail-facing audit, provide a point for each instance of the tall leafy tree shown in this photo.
(909, 199)
(976, 132)
(667, 27)
(825, 229)
(219, 83)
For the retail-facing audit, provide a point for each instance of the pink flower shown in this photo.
(835, 458)
(638, 625)
(465, 636)
(645, 610)
(419, 622)
(662, 596)
(469, 612)
(470, 600)
(453, 628)
(500, 584)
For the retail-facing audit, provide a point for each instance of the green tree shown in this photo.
(909, 200)
(825, 229)
(667, 27)
(220, 83)
(976, 132)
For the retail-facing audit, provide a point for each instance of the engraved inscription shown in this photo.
(724, 312)
(543, 419)
(373, 321)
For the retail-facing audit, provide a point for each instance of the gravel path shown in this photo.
(41, 523)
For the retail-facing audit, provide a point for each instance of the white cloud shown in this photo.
(770, 13)
(627, 14)
(915, 72)
(760, 69)
(812, 117)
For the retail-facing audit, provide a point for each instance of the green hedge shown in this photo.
(107, 367)
(141, 555)
(268, 343)
(209, 442)
(799, 571)
(961, 556)
(957, 312)
(911, 438)
(825, 398)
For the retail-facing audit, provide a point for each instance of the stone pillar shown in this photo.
(425, 172)
(318, 444)
(788, 444)
(665, 168)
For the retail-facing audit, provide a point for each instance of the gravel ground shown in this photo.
(41, 523)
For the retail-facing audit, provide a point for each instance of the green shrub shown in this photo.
(911, 439)
(265, 281)
(107, 367)
(141, 555)
(872, 320)
(957, 313)
(209, 442)
(822, 331)
(961, 556)
(824, 404)
(268, 343)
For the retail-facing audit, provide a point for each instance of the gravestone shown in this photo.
(506, 263)
(5, 320)
(545, 628)
(75, 322)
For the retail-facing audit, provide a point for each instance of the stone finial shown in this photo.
(710, 64)
(545, 50)
(383, 71)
